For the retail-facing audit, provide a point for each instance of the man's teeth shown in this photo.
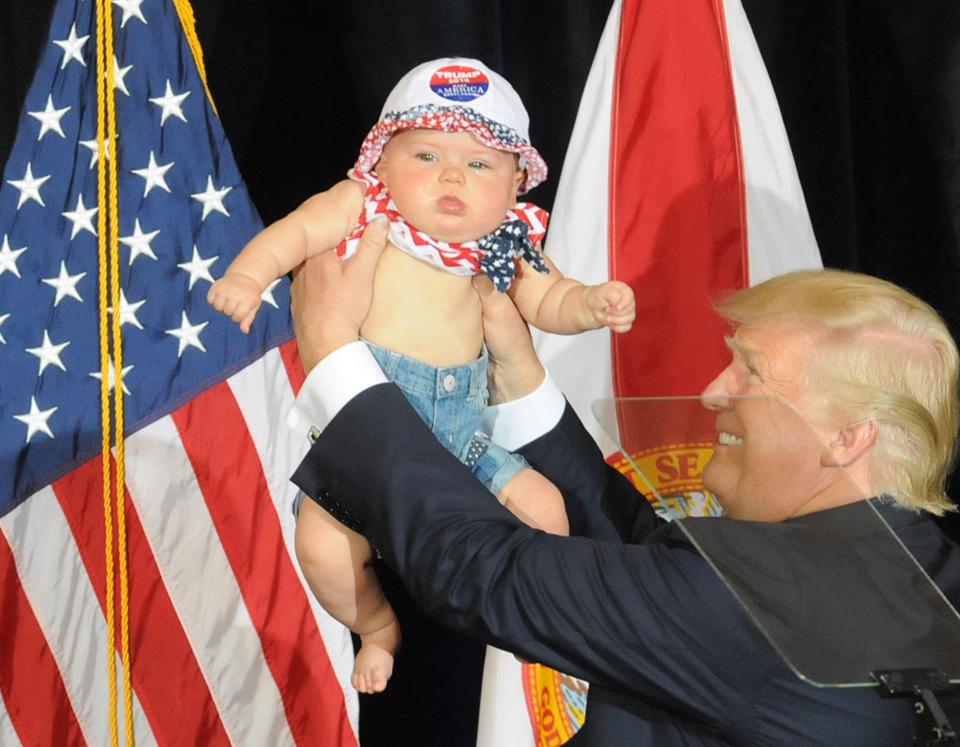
(728, 439)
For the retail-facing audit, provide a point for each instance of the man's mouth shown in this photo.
(728, 439)
(451, 205)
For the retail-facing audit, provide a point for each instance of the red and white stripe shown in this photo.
(664, 233)
(679, 180)
(228, 646)
(456, 258)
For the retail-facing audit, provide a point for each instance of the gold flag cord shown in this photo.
(111, 354)
(111, 373)
(185, 12)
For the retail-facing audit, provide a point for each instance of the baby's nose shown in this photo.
(452, 174)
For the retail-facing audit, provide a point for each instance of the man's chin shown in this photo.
(714, 486)
(709, 478)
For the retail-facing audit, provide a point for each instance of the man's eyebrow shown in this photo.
(736, 345)
(742, 350)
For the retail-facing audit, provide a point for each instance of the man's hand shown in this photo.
(514, 371)
(330, 298)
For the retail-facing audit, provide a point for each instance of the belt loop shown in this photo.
(478, 373)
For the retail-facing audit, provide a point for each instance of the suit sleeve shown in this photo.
(598, 498)
(626, 616)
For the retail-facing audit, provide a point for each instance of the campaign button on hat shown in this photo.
(459, 83)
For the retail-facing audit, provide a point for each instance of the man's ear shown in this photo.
(850, 444)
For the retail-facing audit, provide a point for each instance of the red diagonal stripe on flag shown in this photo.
(231, 478)
(159, 649)
(30, 680)
(294, 367)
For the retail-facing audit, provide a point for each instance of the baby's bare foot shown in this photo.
(374, 662)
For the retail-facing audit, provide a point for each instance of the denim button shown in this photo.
(449, 382)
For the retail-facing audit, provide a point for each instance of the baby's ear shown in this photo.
(518, 178)
(380, 169)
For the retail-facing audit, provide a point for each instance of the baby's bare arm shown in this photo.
(318, 224)
(565, 306)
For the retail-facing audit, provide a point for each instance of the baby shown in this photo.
(444, 166)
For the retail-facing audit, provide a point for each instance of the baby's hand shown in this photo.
(237, 296)
(612, 305)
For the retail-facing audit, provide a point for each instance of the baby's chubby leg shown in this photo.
(336, 563)
(535, 500)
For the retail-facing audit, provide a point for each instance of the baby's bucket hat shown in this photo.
(457, 94)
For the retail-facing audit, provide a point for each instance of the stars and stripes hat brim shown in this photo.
(457, 95)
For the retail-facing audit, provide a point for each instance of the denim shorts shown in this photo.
(451, 401)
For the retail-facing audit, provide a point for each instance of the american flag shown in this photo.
(227, 644)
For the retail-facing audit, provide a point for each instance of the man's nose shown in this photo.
(716, 395)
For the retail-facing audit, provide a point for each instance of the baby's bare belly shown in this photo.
(423, 312)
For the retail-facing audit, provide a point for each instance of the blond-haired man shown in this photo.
(861, 356)
(632, 606)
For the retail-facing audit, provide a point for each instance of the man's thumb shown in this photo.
(495, 304)
(483, 286)
(372, 242)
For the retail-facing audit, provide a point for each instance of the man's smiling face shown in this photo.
(767, 462)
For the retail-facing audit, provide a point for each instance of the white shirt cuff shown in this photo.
(517, 423)
(333, 382)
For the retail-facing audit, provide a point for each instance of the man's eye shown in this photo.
(754, 375)
(750, 370)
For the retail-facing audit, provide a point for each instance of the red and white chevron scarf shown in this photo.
(456, 258)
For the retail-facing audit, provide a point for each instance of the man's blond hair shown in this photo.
(886, 356)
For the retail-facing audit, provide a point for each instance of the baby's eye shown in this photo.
(427, 157)
(478, 165)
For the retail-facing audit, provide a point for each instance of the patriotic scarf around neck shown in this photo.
(495, 254)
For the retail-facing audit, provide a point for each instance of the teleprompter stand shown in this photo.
(920, 685)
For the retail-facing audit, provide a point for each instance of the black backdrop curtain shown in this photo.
(869, 90)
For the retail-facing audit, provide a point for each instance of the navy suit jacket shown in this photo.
(630, 607)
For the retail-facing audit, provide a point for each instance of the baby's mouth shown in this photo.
(451, 205)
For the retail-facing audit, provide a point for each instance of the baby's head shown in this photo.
(452, 144)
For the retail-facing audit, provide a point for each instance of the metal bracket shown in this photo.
(919, 685)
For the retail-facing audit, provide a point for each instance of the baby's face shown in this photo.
(447, 184)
